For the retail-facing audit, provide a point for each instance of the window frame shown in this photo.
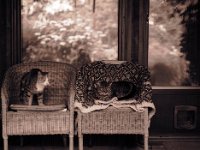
(133, 31)
(13, 32)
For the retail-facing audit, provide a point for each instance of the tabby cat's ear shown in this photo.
(43, 73)
(39, 73)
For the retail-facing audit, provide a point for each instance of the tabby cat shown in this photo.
(32, 86)
(103, 91)
(123, 90)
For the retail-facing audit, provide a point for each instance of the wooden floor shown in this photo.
(154, 146)
(104, 143)
(163, 146)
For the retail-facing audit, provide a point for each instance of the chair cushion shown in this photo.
(37, 108)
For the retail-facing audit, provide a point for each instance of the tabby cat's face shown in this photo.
(42, 80)
(103, 91)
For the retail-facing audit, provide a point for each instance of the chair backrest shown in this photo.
(61, 78)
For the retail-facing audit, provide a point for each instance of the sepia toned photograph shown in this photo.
(100, 74)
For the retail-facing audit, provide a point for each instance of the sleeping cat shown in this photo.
(32, 86)
(123, 90)
(103, 91)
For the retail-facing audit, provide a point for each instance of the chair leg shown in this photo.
(71, 142)
(80, 141)
(5, 143)
(146, 142)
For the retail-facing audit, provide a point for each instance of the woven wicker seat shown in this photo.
(39, 120)
(111, 119)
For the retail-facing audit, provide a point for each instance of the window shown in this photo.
(72, 31)
(173, 42)
(131, 28)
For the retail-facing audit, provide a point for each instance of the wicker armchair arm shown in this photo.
(4, 97)
(71, 98)
(71, 105)
(4, 104)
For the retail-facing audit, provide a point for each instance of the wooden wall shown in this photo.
(165, 101)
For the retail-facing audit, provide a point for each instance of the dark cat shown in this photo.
(32, 85)
(122, 90)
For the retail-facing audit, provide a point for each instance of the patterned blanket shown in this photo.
(90, 75)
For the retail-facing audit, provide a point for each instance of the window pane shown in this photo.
(173, 42)
(72, 31)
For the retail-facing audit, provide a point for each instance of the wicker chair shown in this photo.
(111, 120)
(56, 117)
